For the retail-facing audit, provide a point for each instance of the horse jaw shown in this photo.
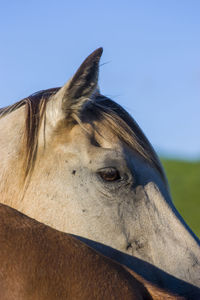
(159, 236)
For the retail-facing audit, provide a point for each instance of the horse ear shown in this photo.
(80, 89)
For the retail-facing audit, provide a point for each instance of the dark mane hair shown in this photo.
(102, 108)
(35, 106)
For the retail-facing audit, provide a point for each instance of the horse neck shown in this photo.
(11, 135)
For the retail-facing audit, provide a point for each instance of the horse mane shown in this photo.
(101, 108)
(35, 106)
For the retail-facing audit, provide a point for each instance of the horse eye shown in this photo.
(109, 174)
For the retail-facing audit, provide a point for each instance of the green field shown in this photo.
(184, 181)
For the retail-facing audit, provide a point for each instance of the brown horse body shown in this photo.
(38, 262)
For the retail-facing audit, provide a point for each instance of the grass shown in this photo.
(184, 181)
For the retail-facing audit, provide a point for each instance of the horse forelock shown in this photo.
(104, 109)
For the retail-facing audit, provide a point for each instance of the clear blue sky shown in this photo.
(151, 51)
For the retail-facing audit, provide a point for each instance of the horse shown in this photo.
(75, 160)
(39, 262)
